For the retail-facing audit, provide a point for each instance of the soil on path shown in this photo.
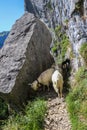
(57, 117)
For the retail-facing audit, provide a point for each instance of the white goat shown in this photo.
(43, 80)
(57, 81)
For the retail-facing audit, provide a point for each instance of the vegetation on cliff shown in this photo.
(77, 101)
(61, 44)
(83, 51)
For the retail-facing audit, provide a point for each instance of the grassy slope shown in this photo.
(77, 101)
(33, 118)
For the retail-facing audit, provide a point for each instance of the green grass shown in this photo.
(3, 109)
(77, 101)
(54, 49)
(58, 30)
(63, 43)
(83, 51)
(62, 40)
(33, 119)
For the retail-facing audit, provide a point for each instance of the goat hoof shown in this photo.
(62, 99)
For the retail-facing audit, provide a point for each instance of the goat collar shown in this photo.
(38, 82)
(53, 67)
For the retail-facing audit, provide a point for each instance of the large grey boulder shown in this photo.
(25, 54)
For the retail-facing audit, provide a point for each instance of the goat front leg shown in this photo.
(61, 88)
(58, 92)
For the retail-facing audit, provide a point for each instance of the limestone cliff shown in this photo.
(70, 14)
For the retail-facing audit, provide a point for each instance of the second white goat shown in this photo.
(57, 80)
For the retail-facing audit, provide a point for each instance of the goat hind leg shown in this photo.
(61, 95)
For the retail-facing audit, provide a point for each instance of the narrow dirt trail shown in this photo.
(57, 117)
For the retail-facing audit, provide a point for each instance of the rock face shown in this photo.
(70, 14)
(44, 9)
(25, 54)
